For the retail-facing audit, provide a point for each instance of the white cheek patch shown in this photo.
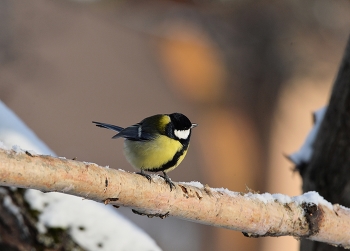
(182, 134)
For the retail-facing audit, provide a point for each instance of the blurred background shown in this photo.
(250, 73)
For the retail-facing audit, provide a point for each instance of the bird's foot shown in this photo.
(145, 175)
(168, 181)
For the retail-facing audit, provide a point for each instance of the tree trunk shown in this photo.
(328, 172)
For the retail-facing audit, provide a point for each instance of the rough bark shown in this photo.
(328, 172)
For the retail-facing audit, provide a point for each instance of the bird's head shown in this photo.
(181, 126)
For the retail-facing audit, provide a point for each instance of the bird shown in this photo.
(158, 143)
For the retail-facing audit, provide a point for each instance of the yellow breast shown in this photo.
(152, 154)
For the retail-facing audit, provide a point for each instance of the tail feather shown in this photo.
(108, 126)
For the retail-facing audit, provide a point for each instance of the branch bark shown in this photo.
(255, 215)
(329, 168)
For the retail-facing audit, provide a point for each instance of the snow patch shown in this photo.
(14, 132)
(90, 163)
(282, 198)
(305, 152)
(13, 209)
(312, 197)
(91, 224)
(265, 197)
(309, 197)
(226, 191)
(3, 146)
(193, 183)
(17, 149)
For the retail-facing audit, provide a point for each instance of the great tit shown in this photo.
(157, 143)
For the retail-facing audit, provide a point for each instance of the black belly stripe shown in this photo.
(172, 162)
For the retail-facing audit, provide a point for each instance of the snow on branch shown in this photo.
(256, 215)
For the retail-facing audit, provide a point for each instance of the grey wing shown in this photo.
(135, 133)
(131, 132)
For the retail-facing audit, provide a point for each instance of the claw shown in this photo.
(168, 181)
(145, 175)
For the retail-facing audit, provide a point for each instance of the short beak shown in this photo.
(193, 125)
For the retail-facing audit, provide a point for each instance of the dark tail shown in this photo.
(108, 126)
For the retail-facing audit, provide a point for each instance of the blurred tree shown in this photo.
(329, 168)
(5, 30)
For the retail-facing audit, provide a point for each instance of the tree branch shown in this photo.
(256, 215)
